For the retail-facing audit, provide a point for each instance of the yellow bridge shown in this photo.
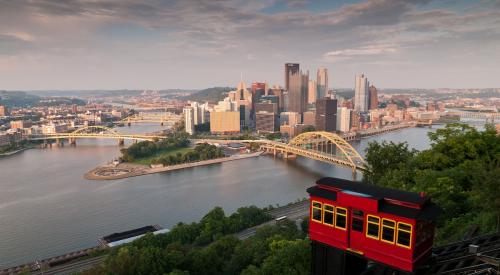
(161, 118)
(95, 132)
(322, 146)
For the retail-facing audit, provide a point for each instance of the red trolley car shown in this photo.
(388, 226)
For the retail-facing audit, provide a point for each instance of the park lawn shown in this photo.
(161, 153)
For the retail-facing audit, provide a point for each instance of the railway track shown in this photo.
(471, 256)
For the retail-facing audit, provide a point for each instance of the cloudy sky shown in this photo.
(112, 44)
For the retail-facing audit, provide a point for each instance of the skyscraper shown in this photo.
(322, 81)
(290, 68)
(373, 98)
(326, 114)
(312, 92)
(189, 117)
(297, 92)
(361, 94)
(343, 119)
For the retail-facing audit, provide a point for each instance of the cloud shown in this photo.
(204, 34)
(360, 51)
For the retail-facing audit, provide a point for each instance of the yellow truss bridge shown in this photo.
(95, 132)
(322, 146)
(161, 118)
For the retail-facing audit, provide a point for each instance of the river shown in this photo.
(47, 208)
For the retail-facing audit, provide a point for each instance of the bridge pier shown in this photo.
(121, 142)
(60, 142)
(72, 141)
(354, 174)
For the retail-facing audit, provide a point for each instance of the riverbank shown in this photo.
(127, 170)
(10, 153)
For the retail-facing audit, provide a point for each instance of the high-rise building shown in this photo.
(361, 93)
(20, 124)
(309, 118)
(312, 92)
(243, 98)
(373, 98)
(280, 93)
(290, 118)
(326, 114)
(343, 119)
(290, 69)
(266, 107)
(3, 111)
(322, 82)
(267, 122)
(225, 122)
(189, 117)
(297, 92)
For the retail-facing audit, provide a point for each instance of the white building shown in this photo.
(189, 117)
(343, 119)
(361, 93)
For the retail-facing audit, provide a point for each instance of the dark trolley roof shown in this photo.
(390, 201)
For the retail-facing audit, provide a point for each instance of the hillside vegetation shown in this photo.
(212, 95)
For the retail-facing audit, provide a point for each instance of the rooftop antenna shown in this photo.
(241, 76)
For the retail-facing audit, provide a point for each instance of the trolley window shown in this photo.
(388, 230)
(404, 235)
(328, 214)
(357, 220)
(316, 211)
(341, 218)
(372, 227)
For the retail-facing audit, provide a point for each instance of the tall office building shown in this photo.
(266, 122)
(280, 93)
(326, 114)
(312, 92)
(189, 117)
(297, 92)
(322, 82)
(290, 68)
(373, 98)
(361, 93)
(343, 119)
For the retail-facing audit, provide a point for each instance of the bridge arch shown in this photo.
(353, 158)
(94, 129)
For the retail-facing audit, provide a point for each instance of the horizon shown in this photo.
(105, 45)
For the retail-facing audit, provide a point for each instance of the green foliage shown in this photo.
(460, 171)
(148, 148)
(208, 247)
(273, 136)
(213, 95)
(17, 99)
(202, 151)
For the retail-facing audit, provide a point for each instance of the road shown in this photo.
(293, 212)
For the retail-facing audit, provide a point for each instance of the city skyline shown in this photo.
(182, 44)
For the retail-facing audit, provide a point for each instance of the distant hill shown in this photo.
(18, 99)
(211, 94)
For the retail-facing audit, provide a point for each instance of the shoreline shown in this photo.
(14, 152)
(127, 170)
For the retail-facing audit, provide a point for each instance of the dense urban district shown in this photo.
(460, 170)
(305, 103)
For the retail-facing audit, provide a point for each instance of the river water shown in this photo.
(47, 208)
